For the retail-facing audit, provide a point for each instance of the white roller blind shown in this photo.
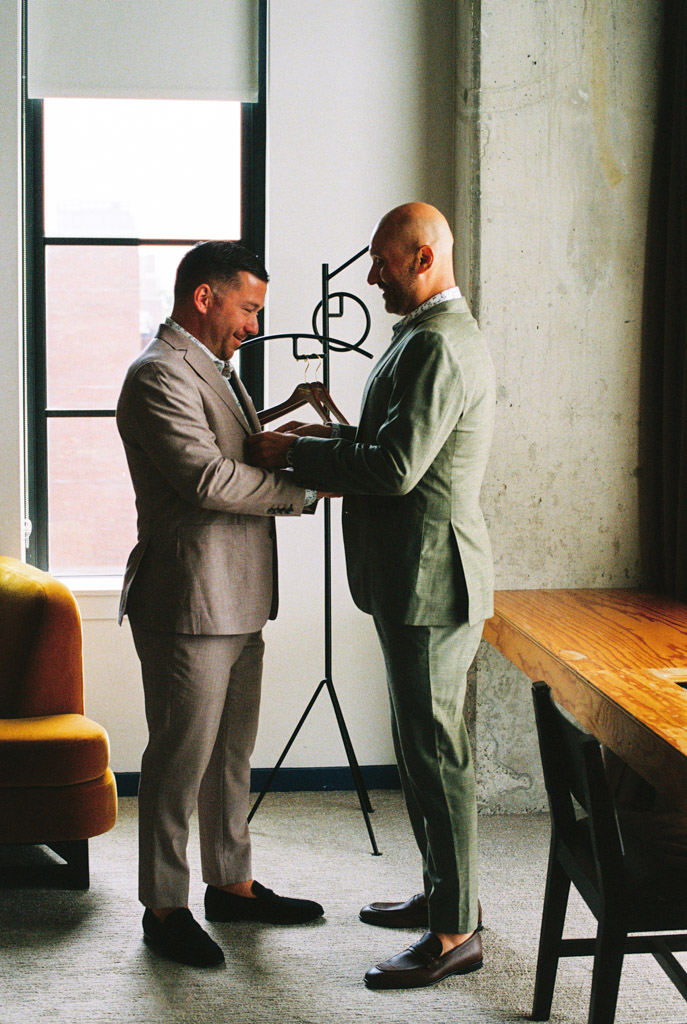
(143, 49)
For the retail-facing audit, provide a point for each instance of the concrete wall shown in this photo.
(565, 111)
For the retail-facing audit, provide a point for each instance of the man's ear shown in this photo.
(425, 259)
(202, 297)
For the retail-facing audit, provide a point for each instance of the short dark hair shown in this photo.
(215, 263)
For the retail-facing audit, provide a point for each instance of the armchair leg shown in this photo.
(73, 874)
(553, 921)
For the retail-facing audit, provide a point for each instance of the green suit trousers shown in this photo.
(427, 676)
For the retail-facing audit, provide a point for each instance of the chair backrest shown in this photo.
(574, 771)
(41, 662)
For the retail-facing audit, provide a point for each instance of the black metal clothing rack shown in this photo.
(328, 345)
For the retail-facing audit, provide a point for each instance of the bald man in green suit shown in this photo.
(419, 561)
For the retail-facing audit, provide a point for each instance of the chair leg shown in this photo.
(608, 965)
(672, 967)
(553, 921)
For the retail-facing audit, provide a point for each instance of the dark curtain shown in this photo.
(663, 401)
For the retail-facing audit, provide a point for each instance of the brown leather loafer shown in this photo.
(424, 964)
(411, 914)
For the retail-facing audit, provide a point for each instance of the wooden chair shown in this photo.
(630, 869)
(56, 787)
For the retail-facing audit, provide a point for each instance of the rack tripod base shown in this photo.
(361, 789)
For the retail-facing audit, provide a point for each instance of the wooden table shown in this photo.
(614, 659)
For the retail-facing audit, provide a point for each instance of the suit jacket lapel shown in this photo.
(461, 306)
(254, 421)
(209, 372)
(379, 365)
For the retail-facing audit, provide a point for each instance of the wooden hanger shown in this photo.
(302, 394)
(327, 402)
(314, 394)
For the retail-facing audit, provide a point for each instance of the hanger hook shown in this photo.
(307, 368)
(319, 367)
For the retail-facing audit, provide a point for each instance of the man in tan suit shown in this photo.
(419, 561)
(199, 586)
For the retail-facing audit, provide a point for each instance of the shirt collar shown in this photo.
(434, 300)
(224, 367)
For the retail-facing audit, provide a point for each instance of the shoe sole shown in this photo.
(261, 921)
(393, 924)
(219, 917)
(452, 974)
(168, 954)
(408, 927)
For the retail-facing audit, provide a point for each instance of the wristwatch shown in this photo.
(289, 456)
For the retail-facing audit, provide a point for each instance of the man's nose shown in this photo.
(373, 276)
(253, 326)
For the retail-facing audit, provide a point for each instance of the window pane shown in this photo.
(103, 305)
(142, 168)
(91, 501)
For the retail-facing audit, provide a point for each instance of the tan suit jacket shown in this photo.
(205, 561)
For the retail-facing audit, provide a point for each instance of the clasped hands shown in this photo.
(268, 448)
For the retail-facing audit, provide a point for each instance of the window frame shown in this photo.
(37, 411)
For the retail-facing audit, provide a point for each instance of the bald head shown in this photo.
(417, 224)
(412, 256)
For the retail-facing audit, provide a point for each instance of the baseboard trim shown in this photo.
(312, 780)
(292, 780)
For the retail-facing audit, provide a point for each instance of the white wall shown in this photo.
(11, 477)
(356, 126)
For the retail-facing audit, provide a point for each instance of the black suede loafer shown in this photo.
(411, 914)
(179, 937)
(265, 906)
(424, 964)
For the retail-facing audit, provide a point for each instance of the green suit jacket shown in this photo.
(417, 549)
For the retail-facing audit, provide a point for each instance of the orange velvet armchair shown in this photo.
(56, 787)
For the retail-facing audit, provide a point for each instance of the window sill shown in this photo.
(96, 596)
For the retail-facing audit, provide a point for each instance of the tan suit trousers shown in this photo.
(202, 699)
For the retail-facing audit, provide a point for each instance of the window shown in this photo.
(119, 190)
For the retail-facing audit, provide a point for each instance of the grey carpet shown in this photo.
(68, 958)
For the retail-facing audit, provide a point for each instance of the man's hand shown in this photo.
(305, 429)
(268, 449)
